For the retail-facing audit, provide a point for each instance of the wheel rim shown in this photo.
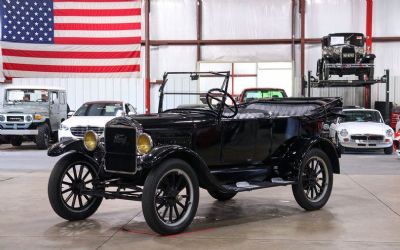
(76, 178)
(173, 198)
(315, 179)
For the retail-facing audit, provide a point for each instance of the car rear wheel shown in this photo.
(16, 141)
(388, 151)
(170, 197)
(43, 137)
(314, 186)
(221, 196)
(72, 175)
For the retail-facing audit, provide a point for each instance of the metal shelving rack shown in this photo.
(313, 82)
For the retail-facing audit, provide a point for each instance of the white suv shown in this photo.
(92, 116)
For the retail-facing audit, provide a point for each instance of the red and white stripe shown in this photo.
(93, 38)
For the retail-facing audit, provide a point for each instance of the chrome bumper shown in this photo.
(18, 132)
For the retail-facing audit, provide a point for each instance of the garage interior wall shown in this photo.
(237, 19)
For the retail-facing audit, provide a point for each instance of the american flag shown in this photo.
(71, 38)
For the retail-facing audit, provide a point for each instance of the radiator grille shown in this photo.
(15, 118)
(348, 55)
(80, 131)
(368, 137)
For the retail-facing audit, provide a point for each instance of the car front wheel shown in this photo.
(72, 175)
(388, 150)
(314, 186)
(170, 197)
(43, 137)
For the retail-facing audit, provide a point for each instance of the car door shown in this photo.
(54, 110)
(63, 110)
(238, 141)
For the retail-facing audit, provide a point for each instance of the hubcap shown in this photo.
(174, 197)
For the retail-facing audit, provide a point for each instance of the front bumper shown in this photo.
(18, 132)
(349, 65)
(366, 144)
(66, 135)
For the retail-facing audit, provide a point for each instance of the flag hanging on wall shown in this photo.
(71, 38)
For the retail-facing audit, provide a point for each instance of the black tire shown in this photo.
(371, 74)
(388, 151)
(16, 141)
(315, 161)
(325, 71)
(162, 189)
(58, 198)
(221, 196)
(43, 137)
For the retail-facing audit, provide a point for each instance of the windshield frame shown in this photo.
(340, 119)
(24, 90)
(194, 76)
(104, 104)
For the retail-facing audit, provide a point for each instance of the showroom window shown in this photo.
(253, 75)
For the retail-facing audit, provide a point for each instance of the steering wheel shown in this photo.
(214, 94)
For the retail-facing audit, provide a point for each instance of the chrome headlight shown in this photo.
(28, 118)
(344, 132)
(90, 140)
(2, 118)
(336, 50)
(359, 50)
(389, 133)
(64, 127)
(144, 143)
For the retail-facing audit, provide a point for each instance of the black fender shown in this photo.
(298, 149)
(67, 146)
(73, 154)
(161, 153)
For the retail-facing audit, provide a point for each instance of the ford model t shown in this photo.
(163, 159)
(344, 54)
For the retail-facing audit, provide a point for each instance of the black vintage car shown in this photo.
(344, 54)
(162, 159)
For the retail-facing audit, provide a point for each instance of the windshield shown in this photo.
(99, 109)
(352, 39)
(361, 116)
(188, 90)
(27, 95)
(250, 95)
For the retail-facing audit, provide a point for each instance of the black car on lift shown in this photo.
(344, 54)
(162, 159)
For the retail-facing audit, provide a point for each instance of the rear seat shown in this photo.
(283, 109)
(262, 110)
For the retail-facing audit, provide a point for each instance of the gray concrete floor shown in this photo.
(363, 213)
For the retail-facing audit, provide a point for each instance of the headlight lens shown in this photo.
(38, 117)
(63, 127)
(144, 143)
(389, 133)
(344, 132)
(28, 118)
(336, 50)
(90, 140)
(2, 118)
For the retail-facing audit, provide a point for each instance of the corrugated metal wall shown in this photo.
(252, 19)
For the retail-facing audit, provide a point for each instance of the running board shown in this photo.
(252, 185)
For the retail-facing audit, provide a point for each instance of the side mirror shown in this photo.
(70, 113)
(131, 113)
(120, 113)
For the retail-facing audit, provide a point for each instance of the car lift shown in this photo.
(315, 83)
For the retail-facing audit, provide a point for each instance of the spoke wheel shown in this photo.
(72, 175)
(170, 197)
(173, 197)
(315, 181)
(77, 178)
